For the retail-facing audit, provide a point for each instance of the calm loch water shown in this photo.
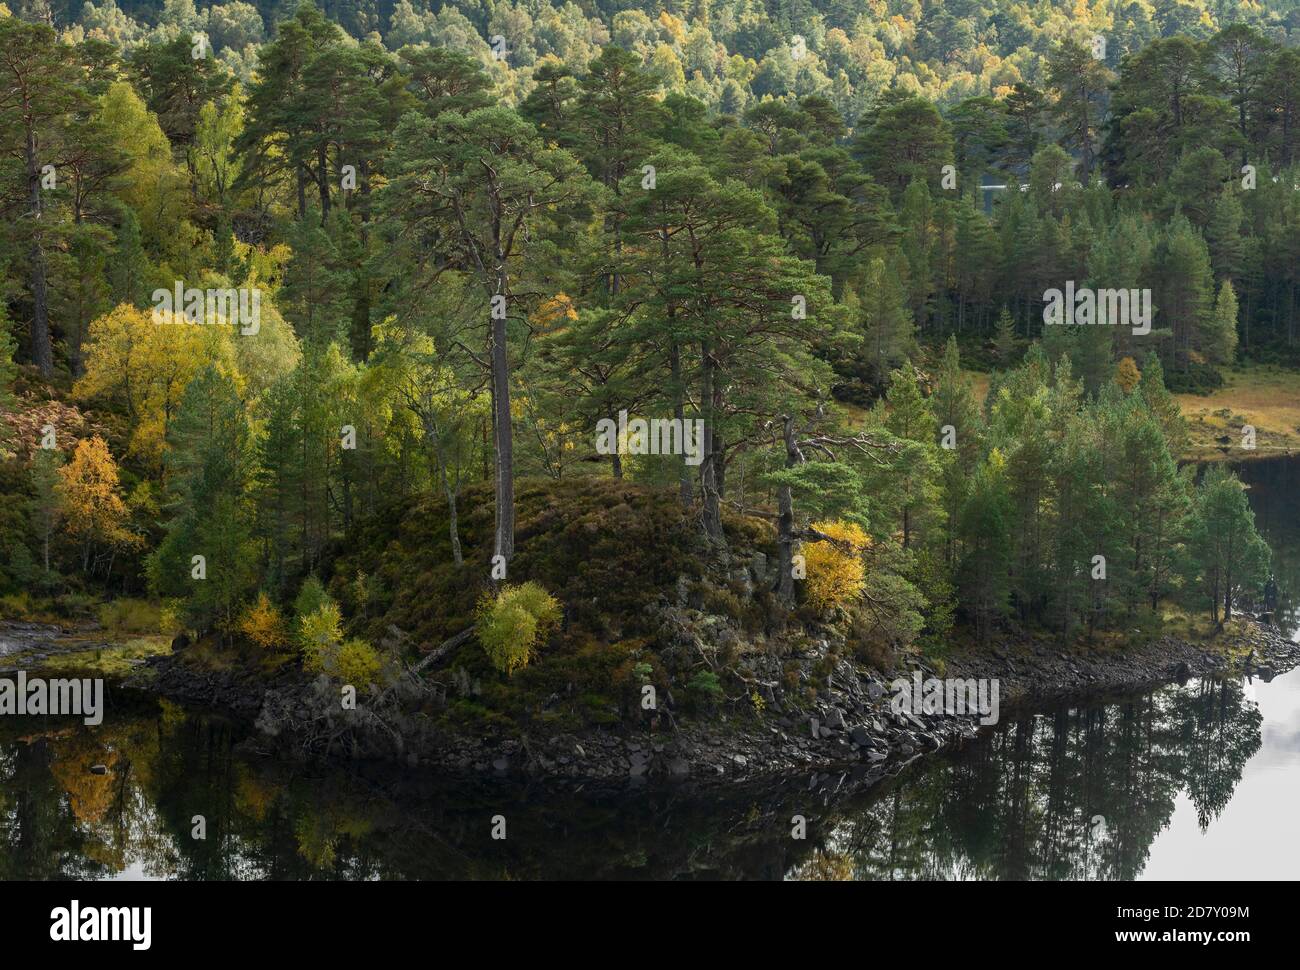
(1197, 781)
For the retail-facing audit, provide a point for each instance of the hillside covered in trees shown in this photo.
(285, 285)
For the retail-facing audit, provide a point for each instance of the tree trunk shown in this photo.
(453, 527)
(785, 521)
(41, 349)
(709, 470)
(323, 180)
(679, 412)
(503, 437)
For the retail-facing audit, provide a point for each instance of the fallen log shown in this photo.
(444, 648)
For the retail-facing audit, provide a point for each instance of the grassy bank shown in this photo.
(1265, 397)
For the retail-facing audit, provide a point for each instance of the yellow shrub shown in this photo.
(171, 614)
(357, 664)
(836, 573)
(1127, 374)
(318, 632)
(511, 623)
(263, 624)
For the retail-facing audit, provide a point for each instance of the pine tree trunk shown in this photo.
(709, 469)
(42, 351)
(503, 438)
(785, 521)
(323, 180)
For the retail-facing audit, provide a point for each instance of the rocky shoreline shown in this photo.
(849, 737)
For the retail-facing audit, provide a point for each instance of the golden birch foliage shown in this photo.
(357, 664)
(1127, 374)
(264, 625)
(149, 365)
(836, 571)
(153, 184)
(512, 623)
(91, 498)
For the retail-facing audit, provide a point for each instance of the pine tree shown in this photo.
(886, 323)
(985, 528)
(209, 461)
(41, 104)
(1223, 235)
(483, 185)
(1186, 296)
(317, 291)
(1227, 557)
(914, 478)
(128, 271)
(1004, 338)
(1219, 337)
(916, 213)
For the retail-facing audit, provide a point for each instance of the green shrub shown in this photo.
(511, 623)
(311, 597)
(704, 690)
(129, 616)
(16, 606)
(1196, 378)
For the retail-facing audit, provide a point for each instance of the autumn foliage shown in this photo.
(93, 510)
(836, 572)
(264, 625)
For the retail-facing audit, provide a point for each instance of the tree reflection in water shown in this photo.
(1019, 803)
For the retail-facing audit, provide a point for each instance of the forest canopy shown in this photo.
(269, 269)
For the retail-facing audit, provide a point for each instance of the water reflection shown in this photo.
(1192, 781)
(1274, 484)
(1078, 793)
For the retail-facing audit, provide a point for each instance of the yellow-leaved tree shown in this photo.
(93, 511)
(153, 185)
(264, 625)
(836, 573)
(1127, 374)
(149, 365)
